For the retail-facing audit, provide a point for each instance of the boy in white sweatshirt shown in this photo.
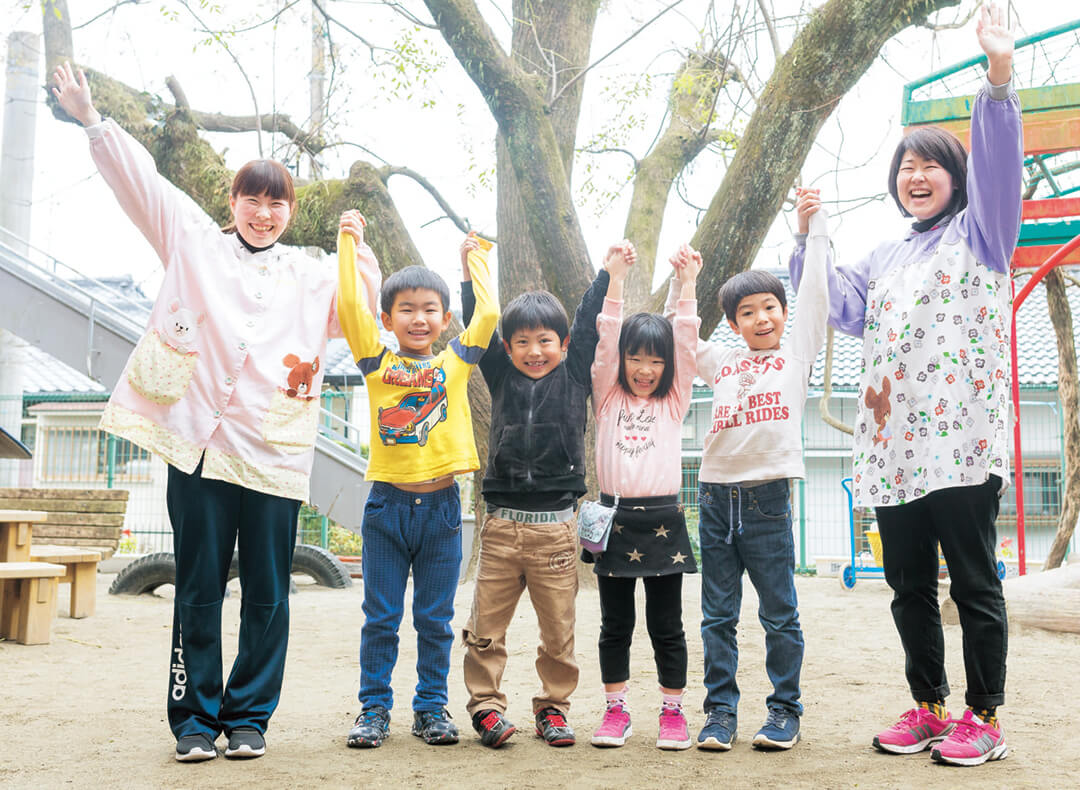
(753, 447)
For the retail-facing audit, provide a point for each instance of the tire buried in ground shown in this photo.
(146, 574)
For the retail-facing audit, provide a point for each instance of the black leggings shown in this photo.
(962, 520)
(663, 617)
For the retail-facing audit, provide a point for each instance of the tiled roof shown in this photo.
(1036, 351)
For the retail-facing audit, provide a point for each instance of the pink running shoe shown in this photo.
(673, 731)
(972, 742)
(918, 729)
(614, 729)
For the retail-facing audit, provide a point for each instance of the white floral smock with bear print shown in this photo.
(933, 310)
(230, 368)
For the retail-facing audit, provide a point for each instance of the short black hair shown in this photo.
(535, 310)
(743, 284)
(409, 279)
(933, 142)
(648, 333)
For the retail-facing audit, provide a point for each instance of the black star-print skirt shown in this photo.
(648, 538)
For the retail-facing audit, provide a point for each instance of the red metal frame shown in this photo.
(1057, 259)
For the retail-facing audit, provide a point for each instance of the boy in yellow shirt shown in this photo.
(421, 437)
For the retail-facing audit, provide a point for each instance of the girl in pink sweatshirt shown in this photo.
(642, 379)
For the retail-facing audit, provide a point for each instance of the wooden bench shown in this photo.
(91, 519)
(29, 600)
(80, 570)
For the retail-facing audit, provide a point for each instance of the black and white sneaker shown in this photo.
(195, 748)
(245, 742)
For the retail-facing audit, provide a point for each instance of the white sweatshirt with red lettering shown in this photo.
(755, 428)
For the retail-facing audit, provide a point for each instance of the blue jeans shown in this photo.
(404, 530)
(749, 529)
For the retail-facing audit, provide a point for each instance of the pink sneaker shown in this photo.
(673, 731)
(918, 729)
(614, 729)
(972, 742)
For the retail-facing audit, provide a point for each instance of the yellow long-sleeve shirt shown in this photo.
(420, 417)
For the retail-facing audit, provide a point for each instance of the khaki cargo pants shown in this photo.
(515, 556)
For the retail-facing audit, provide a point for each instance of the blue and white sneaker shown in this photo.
(780, 731)
(718, 734)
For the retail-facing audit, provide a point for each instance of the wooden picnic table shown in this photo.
(16, 532)
(27, 589)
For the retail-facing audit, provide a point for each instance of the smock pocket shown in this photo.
(291, 423)
(159, 372)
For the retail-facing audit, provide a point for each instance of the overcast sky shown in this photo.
(450, 140)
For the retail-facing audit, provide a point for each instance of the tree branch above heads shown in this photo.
(516, 101)
(826, 58)
(308, 142)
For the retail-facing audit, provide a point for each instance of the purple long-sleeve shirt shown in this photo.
(933, 312)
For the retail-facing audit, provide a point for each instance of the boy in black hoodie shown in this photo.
(535, 476)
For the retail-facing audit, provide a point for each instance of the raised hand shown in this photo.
(73, 94)
(353, 223)
(469, 245)
(996, 40)
(807, 203)
(620, 257)
(690, 265)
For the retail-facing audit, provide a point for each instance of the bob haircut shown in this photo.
(744, 284)
(263, 177)
(409, 279)
(649, 334)
(535, 310)
(933, 142)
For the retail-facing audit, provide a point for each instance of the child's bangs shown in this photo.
(264, 177)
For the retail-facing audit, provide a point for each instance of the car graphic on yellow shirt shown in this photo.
(413, 417)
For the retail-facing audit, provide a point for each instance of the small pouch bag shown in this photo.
(594, 522)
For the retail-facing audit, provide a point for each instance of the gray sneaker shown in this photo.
(244, 743)
(370, 729)
(195, 748)
(718, 734)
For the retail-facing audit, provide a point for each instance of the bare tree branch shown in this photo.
(96, 17)
(766, 14)
(234, 30)
(251, 88)
(409, 15)
(218, 122)
(394, 170)
(936, 27)
(613, 50)
(371, 46)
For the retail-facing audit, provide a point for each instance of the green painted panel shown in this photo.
(1034, 235)
(955, 108)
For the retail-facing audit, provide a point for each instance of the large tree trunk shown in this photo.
(547, 35)
(1061, 317)
(825, 60)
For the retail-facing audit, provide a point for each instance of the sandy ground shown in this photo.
(89, 708)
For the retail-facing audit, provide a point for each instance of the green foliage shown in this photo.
(413, 61)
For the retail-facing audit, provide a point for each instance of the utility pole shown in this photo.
(16, 193)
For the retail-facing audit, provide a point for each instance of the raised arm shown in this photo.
(495, 361)
(605, 364)
(472, 343)
(812, 310)
(583, 336)
(161, 212)
(355, 317)
(995, 165)
(686, 325)
(846, 285)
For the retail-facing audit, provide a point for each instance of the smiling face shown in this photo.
(760, 318)
(923, 186)
(417, 318)
(259, 219)
(536, 352)
(643, 372)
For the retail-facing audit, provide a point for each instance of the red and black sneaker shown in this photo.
(552, 727)
(493, 727)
